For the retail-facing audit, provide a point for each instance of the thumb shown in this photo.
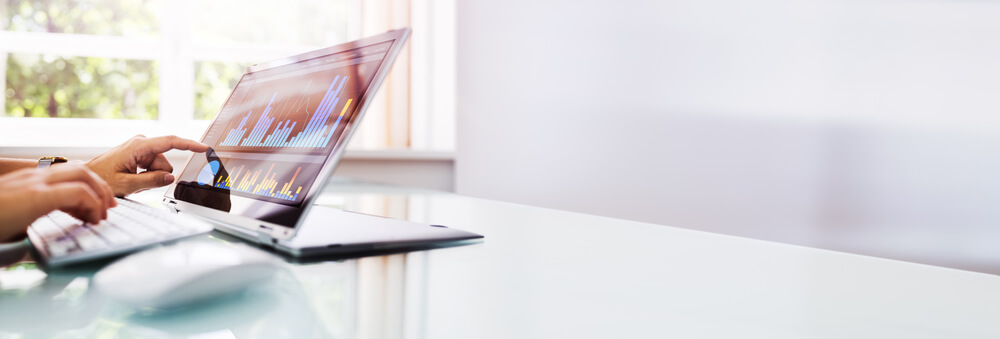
(149, 179)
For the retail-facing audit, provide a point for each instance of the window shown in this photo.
(99, 71)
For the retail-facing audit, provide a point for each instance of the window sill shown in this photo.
(87, 152)
(88, 133)
(87, 138)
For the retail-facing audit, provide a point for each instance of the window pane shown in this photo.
(212, 83)
(132, 18)
(80, 87)
(306, 22)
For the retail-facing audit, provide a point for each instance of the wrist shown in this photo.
(10, 165)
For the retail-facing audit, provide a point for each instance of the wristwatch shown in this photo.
(45, 162)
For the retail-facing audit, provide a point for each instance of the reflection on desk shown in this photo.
(541, 274)
(350, 298)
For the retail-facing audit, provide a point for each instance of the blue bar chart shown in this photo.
(276, 181)
(250, 181)
(293, 129)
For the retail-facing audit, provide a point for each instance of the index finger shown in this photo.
(162, 144)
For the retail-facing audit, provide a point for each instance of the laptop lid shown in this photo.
(280, 135)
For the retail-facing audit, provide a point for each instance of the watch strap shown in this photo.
(45, 162)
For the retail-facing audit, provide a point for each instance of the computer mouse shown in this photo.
(184, 273)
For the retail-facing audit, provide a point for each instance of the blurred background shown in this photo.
(861, 126)
(85, 75)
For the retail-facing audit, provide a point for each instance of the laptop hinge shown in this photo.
(264, 235)
(172, 205)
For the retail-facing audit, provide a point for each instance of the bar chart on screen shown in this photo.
(284, 181)
(293, 121)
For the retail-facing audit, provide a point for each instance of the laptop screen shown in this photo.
(280, 126)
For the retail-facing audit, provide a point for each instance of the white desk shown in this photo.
(539, 273)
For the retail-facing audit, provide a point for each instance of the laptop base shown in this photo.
(331, 231)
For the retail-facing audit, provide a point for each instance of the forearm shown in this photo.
(10, 165)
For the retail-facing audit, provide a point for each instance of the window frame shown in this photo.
(429, 100)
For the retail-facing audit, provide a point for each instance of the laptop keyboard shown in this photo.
(63, 239)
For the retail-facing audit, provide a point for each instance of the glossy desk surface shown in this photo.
(540, 273)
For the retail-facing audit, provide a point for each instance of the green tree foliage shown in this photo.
(78, 87)
(81, 87)
(212, 84)
(86, 87)
(132, 18)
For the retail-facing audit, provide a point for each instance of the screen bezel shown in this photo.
(258, 227)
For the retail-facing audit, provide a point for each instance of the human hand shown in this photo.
(120, 166)
(27, 194)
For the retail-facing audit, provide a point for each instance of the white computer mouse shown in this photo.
(183, 273)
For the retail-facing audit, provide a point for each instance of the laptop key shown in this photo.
(138, 233)
(110, 233)
(90, 241)
(64, 220)
(60, 246)
(46, 228)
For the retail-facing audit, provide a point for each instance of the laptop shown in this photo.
(275, 142)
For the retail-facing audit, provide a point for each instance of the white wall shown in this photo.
(867, 126)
